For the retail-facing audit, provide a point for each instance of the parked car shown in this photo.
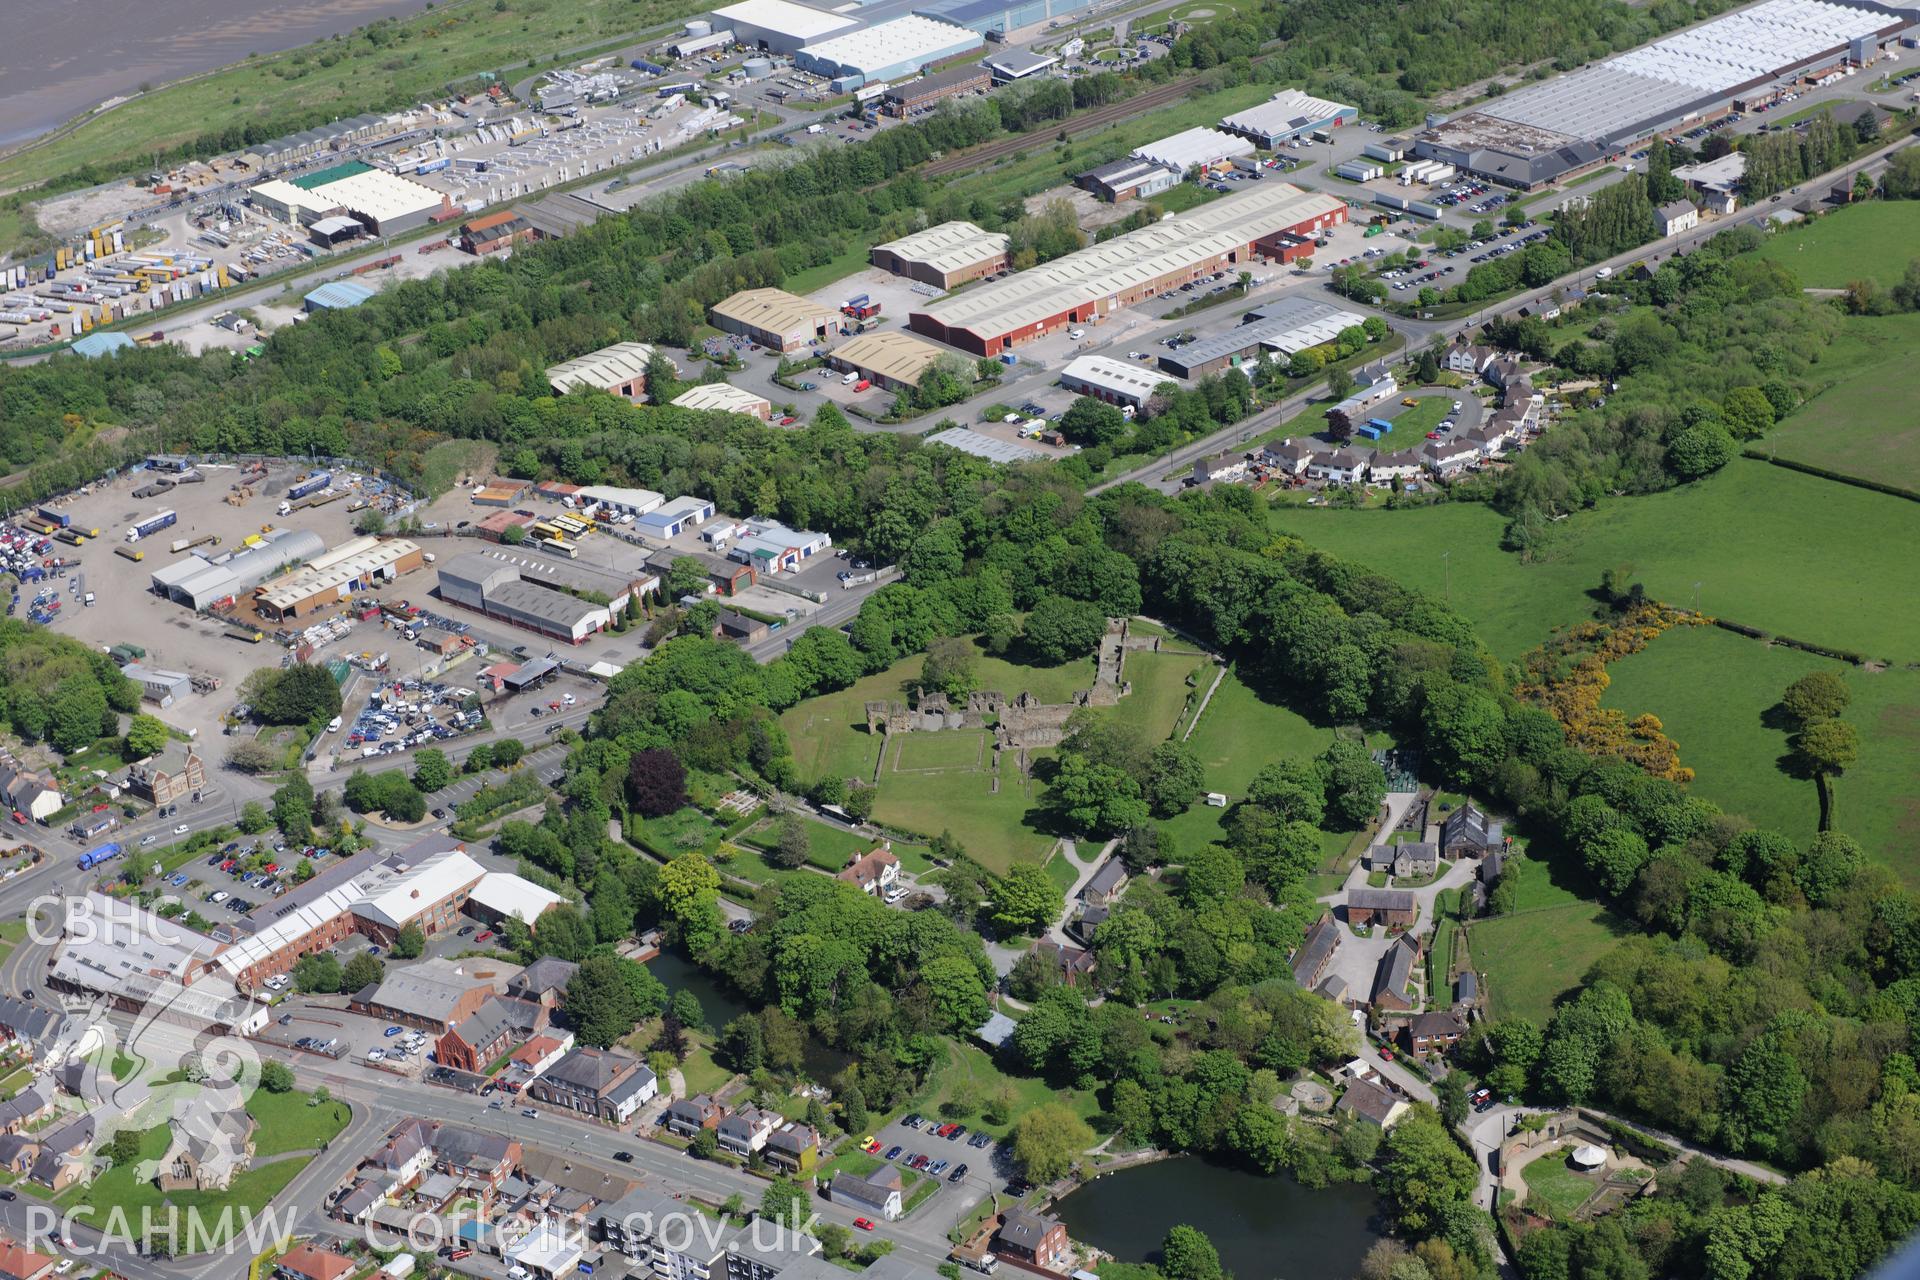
(863, 1224)
(959, 1172)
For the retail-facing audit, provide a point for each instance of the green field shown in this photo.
(1529, 958)
(415, 58)
(1713, 692)
(992, 826)
(1789, 553)
(1238, 734)
(1161, 684)
(1861, 425)
(1859, 242)
(921, 752)
(1411, 425)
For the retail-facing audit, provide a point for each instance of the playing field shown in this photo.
(1528, 959)
(1855, 243)
(1715, 693)
(1862, 425)
(1789, 553)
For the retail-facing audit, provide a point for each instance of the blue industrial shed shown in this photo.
(102, 344)
(337, 295)
(997, 17)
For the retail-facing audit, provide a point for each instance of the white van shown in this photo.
(850, 377)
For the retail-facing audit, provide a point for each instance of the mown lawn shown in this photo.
(1861, 426)
(1530, 958)
(287, 1123)
(1239, 733)
(1789, 553)
(961, 1087)
(1161, 684)
(1556, 1184)
(1849, 244)
(1716, 692)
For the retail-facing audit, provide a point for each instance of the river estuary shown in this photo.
(1265, 1228)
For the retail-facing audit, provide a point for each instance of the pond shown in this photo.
(721, 1006)
(1265, 1228)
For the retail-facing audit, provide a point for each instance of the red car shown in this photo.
(483, 937)
(1386, 1055)
(863, 1224)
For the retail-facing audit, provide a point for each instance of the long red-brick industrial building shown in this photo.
(1086, 285)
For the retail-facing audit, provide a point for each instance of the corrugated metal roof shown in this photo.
(102, 344)
(721, 397)
(949, 246)
(774, 310)
(607, 367)
(335, 294)
(1195, 146)
(790, 19)
(890, 354)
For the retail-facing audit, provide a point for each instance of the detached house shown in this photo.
(168, 777)
(1367, 1101)
(877, 1192)
(873, 872)
(1435, 1032)
(597, 1082)
(480, 1157)
(1034, 1239)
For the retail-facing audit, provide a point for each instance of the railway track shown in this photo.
(993, 152)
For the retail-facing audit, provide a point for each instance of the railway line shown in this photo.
(1100, 117)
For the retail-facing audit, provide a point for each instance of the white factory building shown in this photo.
(1191, 149)
(1115, 381)
(779, 26)
(889, 51)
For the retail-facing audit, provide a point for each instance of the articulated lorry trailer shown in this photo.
(152, 525)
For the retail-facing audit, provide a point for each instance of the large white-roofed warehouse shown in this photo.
(780, 26)
(946, 255)
(1085, 286)
(906, 46)
(1288, 114)
(200, 584)
(1547, 130)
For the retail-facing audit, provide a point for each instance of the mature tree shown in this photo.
(1747, 412)
(146, 736)
(1089, 422)
(1291, 788)
(1355, 785)
(293, 808)
(1615, 857)
(254, 818)
(785, 1202)
(792, 847)
(1827, 749)
(507, 752)
(362, 970)
(1210, 875)
(1700, 450)
(656, 782)
(604, 1000)
(1816, 696)
(431, 769)
(685, 1006)
(1423, 1171)
(276, 1077)
(1026, 900)
(956, 991)
(1097, 799)
(949, 667)
(1060, 629)
(1450, 1093)
(1173, 779)
(1033, 973)
(1048, 1140)
(317, 973)
(1187, 1254)
(853, 1107)
(300, 694)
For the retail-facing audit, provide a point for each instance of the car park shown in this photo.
(959, 1172)
(893, 1153)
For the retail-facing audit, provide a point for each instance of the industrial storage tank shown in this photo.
(757, 68)
(699, 27)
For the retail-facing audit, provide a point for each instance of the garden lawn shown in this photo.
(1862, 425)
(991, 826)
(916, 752)
(1715, 691)
(702, 1073)
(287, 1123)
(1788, 553)
(1529, 958)
(829, 847)
(1410, 425)
(1849, 244)
(1239, 733)
(682, 831)
(1551, 1182)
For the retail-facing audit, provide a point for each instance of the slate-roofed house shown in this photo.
(469, 1153)
(1315, 952)
(1415, 860)
(1466, 989)
(25, 1107)
(598, 1082)
(877, 1192)
(1106, 883)
(1390, 907)
(1467, 358)
(745, 1130)
(1032, 1238)
(213, 1146)
(61, 1161)
(543, 982)
(1370, 1102)
(1467, 832)
(793, 1147)
(406, 1154)
(1433, 1032)
(18, 1152)
(1391, 980)
(872, 872)
(1290, 457)
(688, 1116)
(33, 1026)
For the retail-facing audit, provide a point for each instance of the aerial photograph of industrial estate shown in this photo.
(928, 639)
